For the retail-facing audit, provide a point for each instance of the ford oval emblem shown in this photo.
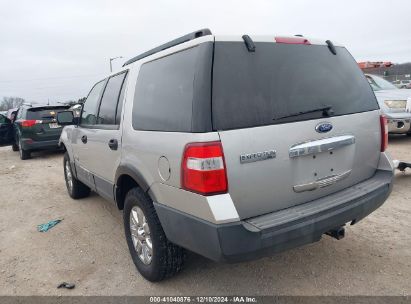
(324, 127)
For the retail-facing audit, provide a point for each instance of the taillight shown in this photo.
(28, 123)
(292, 40)
(203, 168)
(384, 133)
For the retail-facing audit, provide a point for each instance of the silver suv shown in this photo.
(231, 147)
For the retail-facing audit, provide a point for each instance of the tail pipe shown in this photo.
(337, 233)
(403, 165)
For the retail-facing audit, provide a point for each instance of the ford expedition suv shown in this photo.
(231, 147)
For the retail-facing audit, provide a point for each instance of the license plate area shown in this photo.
(320, 162)
(54, 125)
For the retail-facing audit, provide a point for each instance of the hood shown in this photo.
(400, 94)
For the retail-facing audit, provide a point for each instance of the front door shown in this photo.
(80, 143)
(100, 142)
(6, 131)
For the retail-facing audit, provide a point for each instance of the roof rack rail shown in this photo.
(182, 39)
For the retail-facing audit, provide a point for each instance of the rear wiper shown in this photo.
(327, 111)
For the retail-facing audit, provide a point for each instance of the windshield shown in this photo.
(283, 80)
(377, 83)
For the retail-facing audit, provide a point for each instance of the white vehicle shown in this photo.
(402, 84)
(395, 104)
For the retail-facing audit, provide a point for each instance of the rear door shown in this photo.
(296, 123)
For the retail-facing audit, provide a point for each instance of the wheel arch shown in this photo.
(127, 178)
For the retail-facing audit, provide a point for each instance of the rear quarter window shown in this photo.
(173, 93)
(164, 93)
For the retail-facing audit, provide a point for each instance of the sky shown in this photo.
(55, 51)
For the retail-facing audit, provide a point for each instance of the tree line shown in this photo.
(14, 102)
(10, 103)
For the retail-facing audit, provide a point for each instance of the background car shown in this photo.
(36, 128)
(395, 104)
(402, 84)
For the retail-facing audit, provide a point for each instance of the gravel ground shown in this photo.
(88, 247)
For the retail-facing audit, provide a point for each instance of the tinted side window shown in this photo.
(89, 114)
(164, 92)
(121, 101)
(108, 106)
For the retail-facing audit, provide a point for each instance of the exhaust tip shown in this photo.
(337, 233)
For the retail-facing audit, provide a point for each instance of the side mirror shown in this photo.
(66, 118)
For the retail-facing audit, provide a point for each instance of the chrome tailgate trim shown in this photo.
(322, 145)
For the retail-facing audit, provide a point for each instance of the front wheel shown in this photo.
(155, 257)
(75, 188)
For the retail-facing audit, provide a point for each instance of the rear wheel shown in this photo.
(24, 154)
(15, 147)
(75, 188)
(155, 257)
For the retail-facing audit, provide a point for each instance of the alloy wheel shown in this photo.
(69, 176)
(140, 234)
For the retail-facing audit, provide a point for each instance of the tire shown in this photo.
(75, 188)
(15, 147)
(408, 134)
(167, 259)
(24, 154)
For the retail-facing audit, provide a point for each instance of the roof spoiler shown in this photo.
(182, 39)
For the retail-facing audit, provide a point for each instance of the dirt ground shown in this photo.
(88, 247)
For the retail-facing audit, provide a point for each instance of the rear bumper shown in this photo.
(29, 144)
(277, 231)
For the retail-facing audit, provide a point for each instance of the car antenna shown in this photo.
(331, 47)
(249, 43)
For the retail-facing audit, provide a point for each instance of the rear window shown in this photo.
(278, 80)
(44, 113)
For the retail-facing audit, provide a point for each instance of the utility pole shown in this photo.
(111, 59)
